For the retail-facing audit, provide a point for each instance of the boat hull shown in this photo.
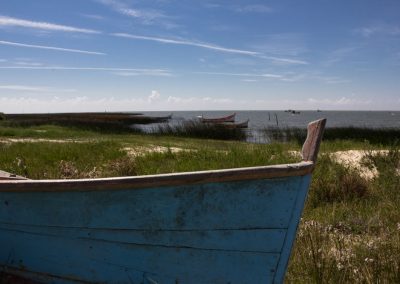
(234, 231)
(219, 226)
(229, 118)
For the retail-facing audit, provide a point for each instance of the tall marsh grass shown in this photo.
(375, 136)
(101, 127)
(350, 231)
(197, 129)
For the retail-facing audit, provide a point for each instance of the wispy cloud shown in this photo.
(282, 48)
(25, 88)
(27, 63)
(50, 48)
(284, 61)
(155, 72)
(274, 59)
(339, 55)
(341, 102)
(249, 8)
(116, 70)
(186, 42)
(198, 101)
(333, 80)
(265, 75)
(144, 16)
(15, 22)
(93, 17)
(255, 8)
(379, 29)
(282, 44)
(257, 77)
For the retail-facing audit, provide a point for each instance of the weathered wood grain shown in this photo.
(126, 263)
(315, 131)
(245, 240)
(204, 233)
(230, 205)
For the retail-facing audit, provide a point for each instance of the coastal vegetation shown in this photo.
(376, 136)
(197, 129)
(350, 230)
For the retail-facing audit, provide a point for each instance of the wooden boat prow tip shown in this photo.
(315, 131)
(8, 176)
(230, 225)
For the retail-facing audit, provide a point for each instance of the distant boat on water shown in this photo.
(229, 118)
(292, 111)
(162, 118)
(244, 124)
(106, 117)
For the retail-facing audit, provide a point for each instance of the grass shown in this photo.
(44, 160)
(197, 129)
(47, 160)
(373, 136)
(208, 158)
(350, 230)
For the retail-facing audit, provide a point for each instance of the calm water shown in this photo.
(262, 119)
(259, 120)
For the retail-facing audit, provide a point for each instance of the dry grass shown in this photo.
(350, 232)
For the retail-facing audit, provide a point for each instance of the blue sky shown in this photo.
(120, 55)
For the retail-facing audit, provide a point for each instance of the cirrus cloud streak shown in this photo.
(15, 22)
(186, 42)
(10, 43)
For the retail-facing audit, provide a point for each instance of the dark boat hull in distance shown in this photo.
(111, 117)
(244, 124)
(229, 118)
(222, 226)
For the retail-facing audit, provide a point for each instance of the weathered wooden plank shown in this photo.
(230, 205)
(86, 260)
(175, 179)
(250, 240)
(315, 131)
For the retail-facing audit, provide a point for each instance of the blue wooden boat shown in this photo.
(221, 226)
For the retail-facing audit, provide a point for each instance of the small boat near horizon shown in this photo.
(228, 118)
(216, 226)
(244, 124)
(162, 118)
(292, 111)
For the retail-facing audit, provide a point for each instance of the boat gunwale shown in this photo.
(159, 180)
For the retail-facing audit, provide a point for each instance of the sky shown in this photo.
(132, 55)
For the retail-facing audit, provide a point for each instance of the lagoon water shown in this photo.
(265, 118)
